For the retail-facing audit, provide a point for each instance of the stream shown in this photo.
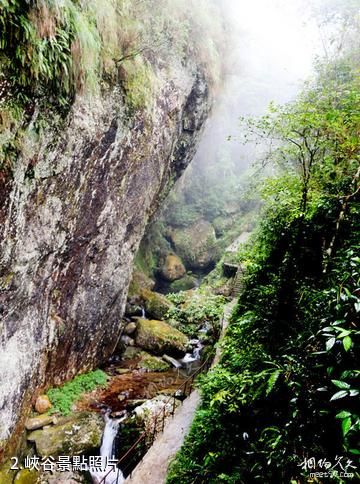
(134, 385)
(108, 475)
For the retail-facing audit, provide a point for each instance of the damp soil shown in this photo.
(127, 385)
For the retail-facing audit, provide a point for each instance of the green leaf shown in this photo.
(354, 393)
(330, 343)
(343, 414)
(344, 333)
(346, 425)
(347, 343)
(272, 380)
(341, 384)
(338, 395)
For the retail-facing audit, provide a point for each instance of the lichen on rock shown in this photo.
(76, 434)
(84, 183)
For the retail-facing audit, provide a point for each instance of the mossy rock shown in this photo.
(159, 338)
(184, 284)
(173, 268)
(27, 476)
(130, 353)
(6, 474)
(140, 281)
(196, 245)
(130, 432)
(156, 304)
(151, 363)
(81, 432)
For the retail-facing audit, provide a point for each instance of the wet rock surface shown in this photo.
(196, 244)
(72, 435)
(159, 337)
(69, 233)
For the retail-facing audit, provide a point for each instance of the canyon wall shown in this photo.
(72, 216)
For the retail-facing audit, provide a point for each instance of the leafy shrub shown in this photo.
(195, 310)
(287, 384)
(63, 398)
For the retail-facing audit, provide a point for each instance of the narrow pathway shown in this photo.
(228, 309)
(153, 468)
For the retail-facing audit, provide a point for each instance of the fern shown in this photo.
(272, 381)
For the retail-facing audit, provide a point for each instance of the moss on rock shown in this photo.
(156, 304)
(159, 337)
(151, 363)
(6, 474)
(26, 476)
(184, 284)
(196, 245)
(80, 433)
(139, 282)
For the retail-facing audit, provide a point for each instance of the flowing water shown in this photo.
(108, 475)
(192, 358)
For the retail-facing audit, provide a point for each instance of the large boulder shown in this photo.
(140, 281)
(184, 284)
(156, 305)
(147, 414)
(151, 363)
(76, 434)
(159, 338)
(196, 245)
(173, 268)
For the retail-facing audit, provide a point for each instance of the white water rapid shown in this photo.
(108, 475)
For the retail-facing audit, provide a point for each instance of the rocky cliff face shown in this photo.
(72, 218)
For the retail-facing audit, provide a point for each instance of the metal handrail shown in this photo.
(142, 436)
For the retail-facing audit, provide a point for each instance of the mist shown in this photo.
(270, 51)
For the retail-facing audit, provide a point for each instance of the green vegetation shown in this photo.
(287, 385)
(61, 47)
(151, 363)
(193, 310)
(64, 397)
(54, 50)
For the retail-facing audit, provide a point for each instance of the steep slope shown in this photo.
(75, 205)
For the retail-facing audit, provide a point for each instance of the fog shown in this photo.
(269, 51)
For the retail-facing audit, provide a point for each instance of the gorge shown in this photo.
(162, 229)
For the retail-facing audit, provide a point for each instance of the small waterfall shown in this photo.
(108, 475)
(194, 355)
(143, 314)
(175, 363)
